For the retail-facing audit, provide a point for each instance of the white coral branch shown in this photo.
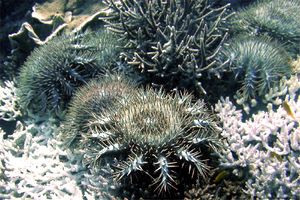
(8, 102)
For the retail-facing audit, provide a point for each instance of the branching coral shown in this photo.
(266, 147)
(171, 43)
(257, 63)
(227, 190)
(153, 136)
(9, 109)
(296, 65)
(53, 72)
(278, 19)
(276, 95)
(33, 166)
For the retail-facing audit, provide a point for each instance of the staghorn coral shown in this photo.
(33, 166)
(9, 109)
(95, 97)
(276, 95)
(296, 65)
(171, 43)
(53, 72)
(256, 63)
(278, 19)
(265, 148)
(157, 141)
(227, 190)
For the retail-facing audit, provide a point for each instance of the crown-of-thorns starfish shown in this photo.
(154, 135)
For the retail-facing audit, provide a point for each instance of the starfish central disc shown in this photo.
(152, 122)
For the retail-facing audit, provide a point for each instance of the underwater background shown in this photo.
(157, 99)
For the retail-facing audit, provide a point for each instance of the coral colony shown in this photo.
(158, 99)
(170, 43)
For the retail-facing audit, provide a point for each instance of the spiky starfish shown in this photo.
(154, 135)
